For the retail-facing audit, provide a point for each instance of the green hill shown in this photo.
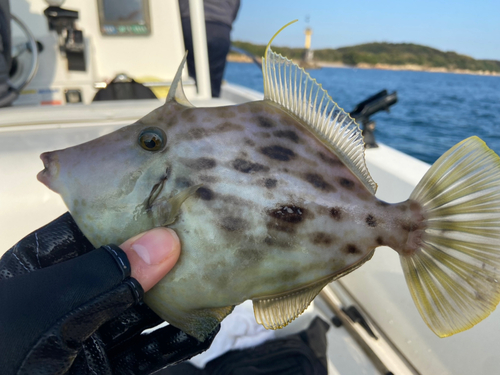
(387, 54)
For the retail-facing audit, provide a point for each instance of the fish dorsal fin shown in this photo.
(275, 312)
(290, 86)
(176, 91)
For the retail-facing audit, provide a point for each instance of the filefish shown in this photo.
(272, 200)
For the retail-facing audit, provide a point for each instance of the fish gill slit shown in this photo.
(157, 188)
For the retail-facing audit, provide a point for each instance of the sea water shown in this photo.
(434, 110)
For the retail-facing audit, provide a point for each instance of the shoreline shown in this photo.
(407, 67)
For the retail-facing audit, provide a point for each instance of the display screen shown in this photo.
(124, 17)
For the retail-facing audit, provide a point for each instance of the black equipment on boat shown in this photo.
(381, 101)
(11, 87)
(71, 41)
(6, 95)
(124, 88)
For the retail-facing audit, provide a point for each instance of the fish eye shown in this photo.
(152, 139)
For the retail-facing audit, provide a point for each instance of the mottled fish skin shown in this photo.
(272, 200)
(276, 209)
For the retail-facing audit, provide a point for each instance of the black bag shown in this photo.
(299, 354)
(124, 91)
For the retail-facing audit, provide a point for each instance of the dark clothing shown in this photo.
(219, 17)
(218, 43)
(219, 11)
(303, 353)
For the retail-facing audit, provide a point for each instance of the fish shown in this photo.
(272, 200)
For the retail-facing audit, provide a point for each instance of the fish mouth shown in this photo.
(50, 171)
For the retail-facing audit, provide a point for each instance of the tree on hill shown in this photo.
(385, 53)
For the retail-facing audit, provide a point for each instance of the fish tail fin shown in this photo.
(454, 277)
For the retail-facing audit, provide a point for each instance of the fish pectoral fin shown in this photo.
(277, 311)
(167, 210)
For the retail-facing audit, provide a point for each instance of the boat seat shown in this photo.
(124, 88)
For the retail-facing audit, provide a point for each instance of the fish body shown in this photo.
(271, 201)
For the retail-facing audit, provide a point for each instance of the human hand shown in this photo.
(67, 308)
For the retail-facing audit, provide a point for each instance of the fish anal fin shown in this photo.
(176, 91)
(277, 311)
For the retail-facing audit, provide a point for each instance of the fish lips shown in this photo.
(51, 169)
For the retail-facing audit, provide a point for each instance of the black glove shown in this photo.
(67, 308)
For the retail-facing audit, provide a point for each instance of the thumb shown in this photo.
(152, 255)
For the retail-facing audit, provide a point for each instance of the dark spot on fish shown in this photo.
(279, 240)
(249, 142)
(227, 126)
(278, 153)
(224, 112)
(290, 214)
(414, 206)
(285, 119)
(364, 196)
(265, 122)
(331, 160)
(288, 275)
(321, 239)
(382, 203)
(248, 256)
(336, 213)
(318, 182)
(201, 163)
(221, 280)
(188, 115)
(172, 121)
(406, 226)
(183, 182)
(270, 183)
(205, 193)
(232, 223)
(235, 201)
(210, 179)
(351, 249)
(380, 240)
(281, 226)
(263, 134)
(289, 134)
(196, 133)
(255, 107)
(346, 183)
(371, 221)
(246, 166)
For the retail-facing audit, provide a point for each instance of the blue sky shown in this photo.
(468, 27)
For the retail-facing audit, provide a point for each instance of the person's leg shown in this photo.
(218, 39)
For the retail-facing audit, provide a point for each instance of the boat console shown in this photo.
(84, 46)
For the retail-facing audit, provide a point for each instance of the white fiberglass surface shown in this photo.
(380, 287)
